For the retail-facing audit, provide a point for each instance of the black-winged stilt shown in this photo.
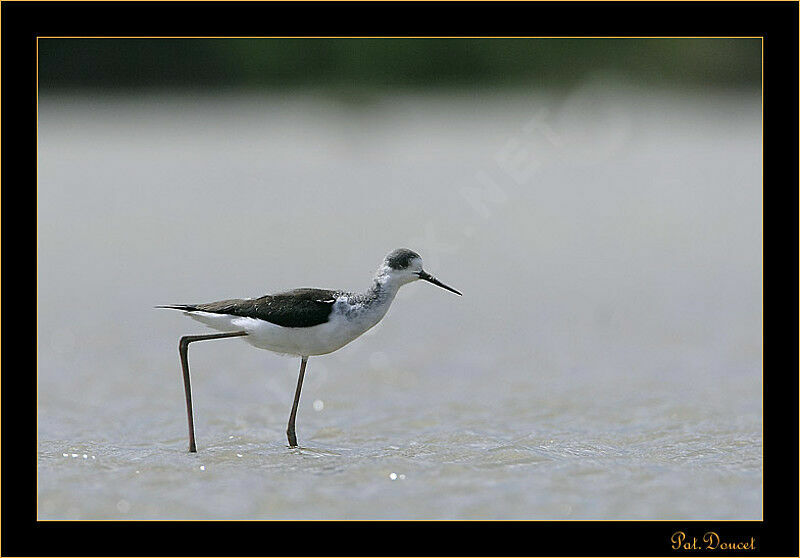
(303, 322)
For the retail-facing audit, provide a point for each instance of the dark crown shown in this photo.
(400, 258)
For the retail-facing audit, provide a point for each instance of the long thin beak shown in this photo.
(431, 279)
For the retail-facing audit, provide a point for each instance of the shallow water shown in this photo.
(604, 362)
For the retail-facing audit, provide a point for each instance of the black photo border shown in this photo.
(23, 22)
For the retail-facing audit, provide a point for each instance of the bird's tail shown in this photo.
(184, 307)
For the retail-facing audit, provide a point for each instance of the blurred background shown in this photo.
(388, 64)
(597, 201)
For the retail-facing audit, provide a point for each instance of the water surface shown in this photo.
(603, 363)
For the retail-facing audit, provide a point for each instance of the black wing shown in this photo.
(295, 308)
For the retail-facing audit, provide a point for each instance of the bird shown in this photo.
(302, 322)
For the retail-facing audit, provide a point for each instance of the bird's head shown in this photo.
(404, 266)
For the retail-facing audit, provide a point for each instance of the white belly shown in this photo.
(301, 341)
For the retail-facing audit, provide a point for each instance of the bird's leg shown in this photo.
(290, 430)
(183, 349)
